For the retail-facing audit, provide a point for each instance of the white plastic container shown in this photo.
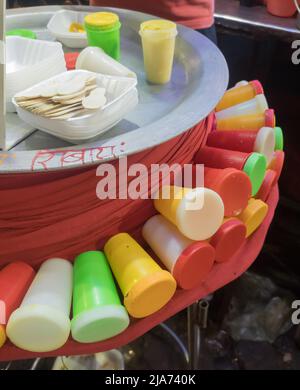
(197, 213)
(59, 26)
(189, 262)
(28, 62)
(96, 60)
(265, 143)
(121, 95)
(42, 323)
(253, 106)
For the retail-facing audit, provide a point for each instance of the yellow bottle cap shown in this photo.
(158, 25)
(150, 294)
(2, 335)
(105, 20)
(253, 215)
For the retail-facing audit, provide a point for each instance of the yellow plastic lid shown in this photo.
(105, 20)
(158, 25)
(2, 335)
(150, 294)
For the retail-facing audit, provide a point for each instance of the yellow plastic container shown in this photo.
(253, 215)
(248, 122)
(240, 95)
(198, 213)
(158, 40)
(2, 335)
(145, 285)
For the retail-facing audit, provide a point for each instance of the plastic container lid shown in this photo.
(2, 336)
(150, 294)
(254, 215)
(279, 140)
(102, 20)
(257, 87)
(194, 264)
(234, 187)
(228, 239)
(265, 143)
(255, 168)
(107, 321)
(21, 33)
(268, 183)
(38, 328)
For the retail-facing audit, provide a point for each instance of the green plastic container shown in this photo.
(97, 311)
(21, 33)
(255, 168)
(103, 30)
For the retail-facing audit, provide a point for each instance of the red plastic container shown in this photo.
(243, 141)
(221, 158)
(228, 239)
(233, 185)
(277, 163)
(15, 280)
(281, 8)
(267, 185)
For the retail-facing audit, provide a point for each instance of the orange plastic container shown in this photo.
(248, 122)
(240, 95)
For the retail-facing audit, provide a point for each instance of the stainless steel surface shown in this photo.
(2, 75)
(230, 14)
(199, 80)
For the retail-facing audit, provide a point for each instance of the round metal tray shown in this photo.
(200, 78)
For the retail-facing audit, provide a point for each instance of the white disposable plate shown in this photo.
(59, 28)
(92, 124)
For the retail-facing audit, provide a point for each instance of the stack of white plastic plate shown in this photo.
(30, 61)
(122, 97)
(59, 26)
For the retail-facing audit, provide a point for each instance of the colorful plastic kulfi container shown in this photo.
(97, 310)
(145, 285)
(279, 139)
(252, 122)
(15, 280)
(253, 215)
(21, 32)
(196, 212)
(42, 322)
(256, 106)
(229, 239)
(267, 185)
(240, 94)
(188, 261)
(262, 142)
(158, 41)
(277, 163)
(103, 30)
(253, 164)
(233, 186)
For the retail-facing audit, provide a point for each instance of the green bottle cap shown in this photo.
(21, 33)
(255, 168)
(97, 310)
(279, 142)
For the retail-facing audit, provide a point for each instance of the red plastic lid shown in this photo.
(71, 59)
(234, 187)
(257, 86)
(270, 118)
(267, 185)
(277, 163)
(194, 264)
(228, 239)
